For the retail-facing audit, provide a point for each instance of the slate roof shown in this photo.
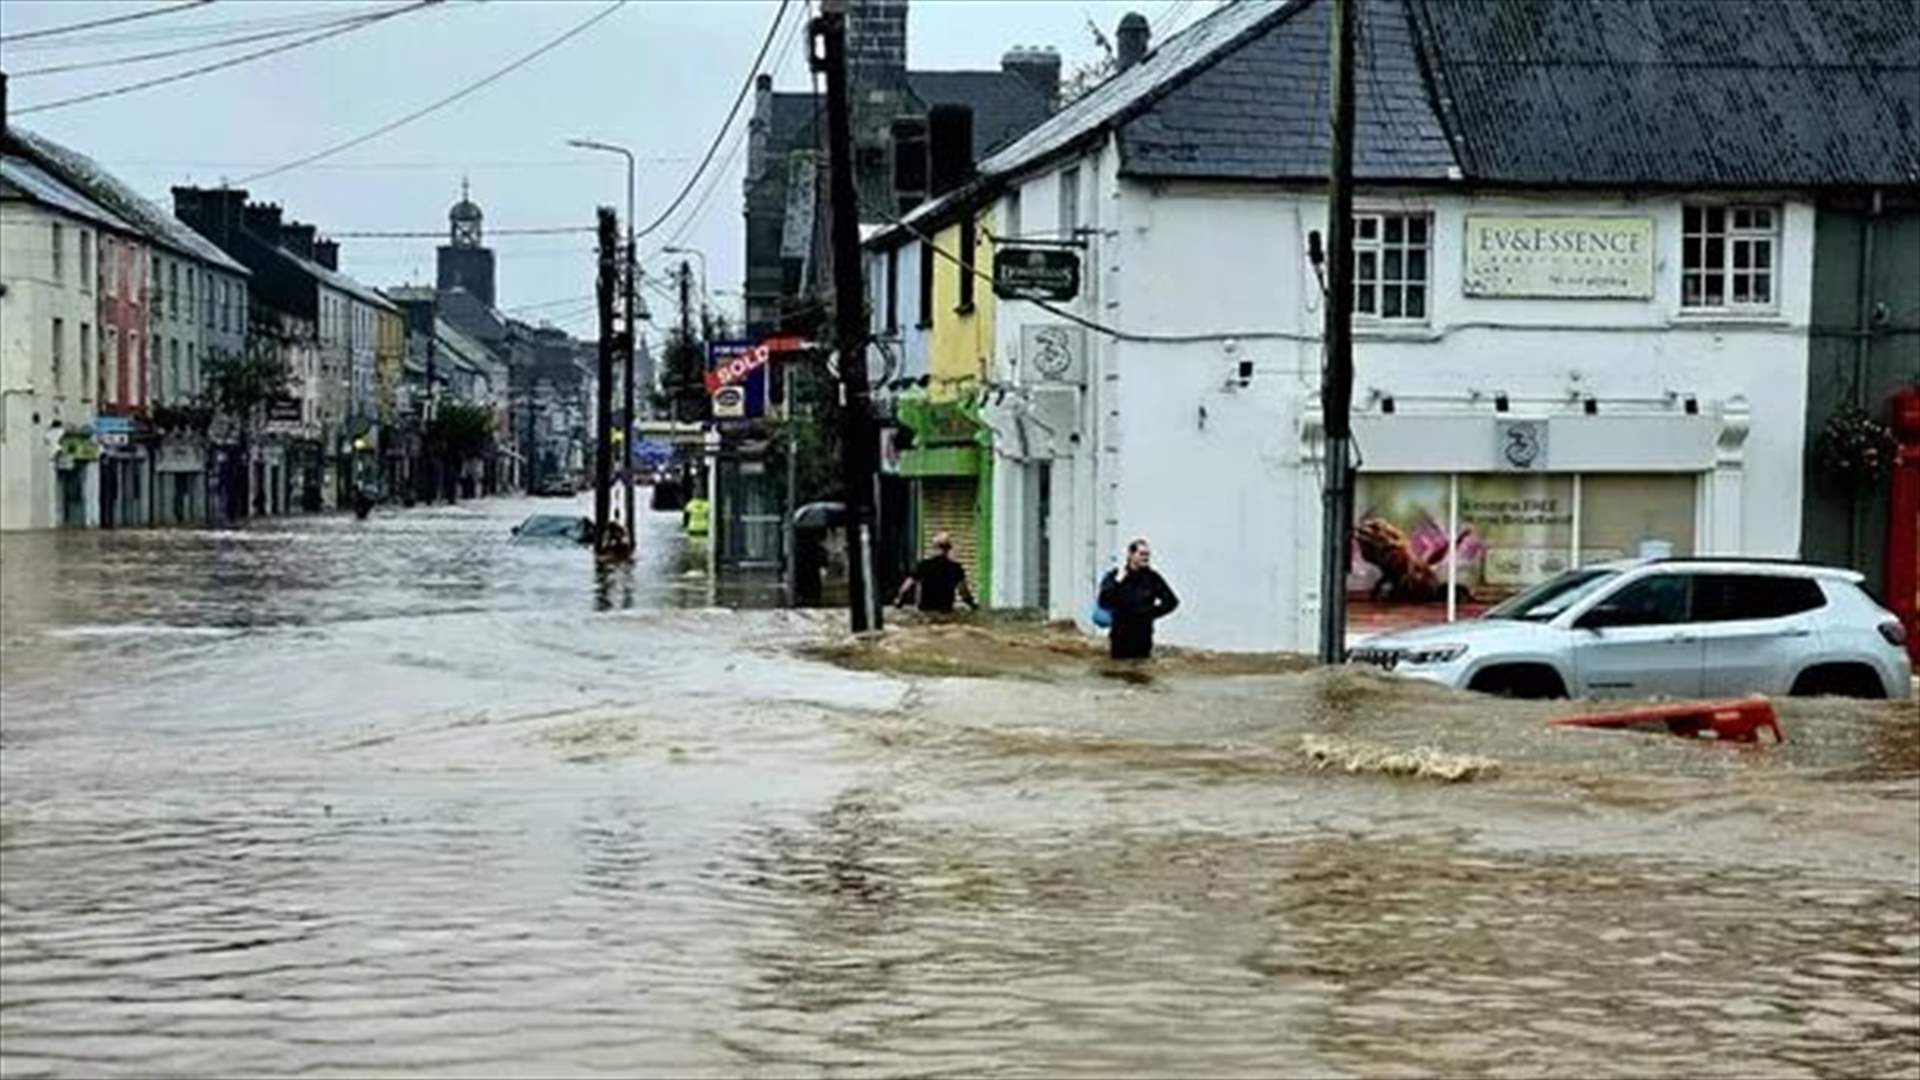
(21, 177)
(337, 280)
(1260, 110)
(1697, 93)
(146, 218)
(1005, 105)
(1622, 93)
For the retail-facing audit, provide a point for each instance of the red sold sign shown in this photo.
(736, 368)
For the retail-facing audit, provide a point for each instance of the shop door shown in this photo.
(109, 493)
(948, 504)
(73, 497)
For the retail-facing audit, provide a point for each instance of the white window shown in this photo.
(1728, 256)
(1069, 201)
(137, 374)
(1390, 265)
(86, 261)
(173, 290)
(86, 358)
(59, 358)
(1010, 225)
(193, 369)
(175, 387)
(109, 270)
(110, 366)
(59, 252)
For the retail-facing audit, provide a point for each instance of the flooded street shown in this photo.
(397, 797)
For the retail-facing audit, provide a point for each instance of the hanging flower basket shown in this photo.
(1854, 449)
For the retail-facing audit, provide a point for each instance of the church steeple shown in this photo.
(463, 221)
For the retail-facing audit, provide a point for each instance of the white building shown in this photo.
(1565, 350)
(49, 348)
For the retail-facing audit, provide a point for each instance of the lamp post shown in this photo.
(633, 276)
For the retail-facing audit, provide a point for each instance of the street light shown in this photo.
(633, 273)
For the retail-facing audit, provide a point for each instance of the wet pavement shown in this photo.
(398, 797)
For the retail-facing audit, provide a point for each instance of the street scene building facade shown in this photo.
(1573, 342)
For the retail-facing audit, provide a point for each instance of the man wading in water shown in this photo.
(1137, 596)
(938, 579)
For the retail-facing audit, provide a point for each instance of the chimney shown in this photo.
(1039, 67)
(327, 253)
(1133, 39)
(876, 44)
(759, 126)
(263, 221)
(298, 239)
(950, 147)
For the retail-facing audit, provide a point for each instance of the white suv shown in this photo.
(1673, 627)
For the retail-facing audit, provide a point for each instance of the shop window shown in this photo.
(1430, 547)
(1627, 515)
(1728, 256)
(1391, 265)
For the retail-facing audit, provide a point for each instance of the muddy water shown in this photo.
(396, 798)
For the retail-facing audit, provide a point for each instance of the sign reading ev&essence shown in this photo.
(1567, 257)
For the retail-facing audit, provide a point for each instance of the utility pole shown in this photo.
(858, 441)
(603, 404)
(686, 302)
(1336, 387)
(627, 338)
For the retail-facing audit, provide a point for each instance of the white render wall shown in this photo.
(1224, 479)
(29, 494)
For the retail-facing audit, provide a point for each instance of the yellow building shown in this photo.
(951, 461)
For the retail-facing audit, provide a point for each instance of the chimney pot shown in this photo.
(1133, 39)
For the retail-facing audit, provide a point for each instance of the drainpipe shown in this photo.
(1863, 323)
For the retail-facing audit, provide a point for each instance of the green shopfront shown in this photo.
(946, 459)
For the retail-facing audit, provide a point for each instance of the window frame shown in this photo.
(1069, 202)
(1372, 229)
(86, 261)
(1696, 221)
(969, 259)
(86, 346)
(58, 244)
(57, 358)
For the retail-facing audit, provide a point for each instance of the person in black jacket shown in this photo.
(1137, 596)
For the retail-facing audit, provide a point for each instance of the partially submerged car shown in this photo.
(554, 529)
(1671, 627)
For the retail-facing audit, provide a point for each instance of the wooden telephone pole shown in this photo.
(606, 284)
(1336, 386)
(859, 443)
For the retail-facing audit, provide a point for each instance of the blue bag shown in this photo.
(1101, 617)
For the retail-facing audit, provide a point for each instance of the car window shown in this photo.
(1659, 600)
(1549, 598)
(1737, 597)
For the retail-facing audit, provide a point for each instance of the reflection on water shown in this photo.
(399, 797)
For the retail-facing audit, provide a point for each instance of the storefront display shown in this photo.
(1432, 547)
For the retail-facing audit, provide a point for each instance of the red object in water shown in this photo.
(1726, 721)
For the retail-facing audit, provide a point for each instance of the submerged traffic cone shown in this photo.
(1725, 721)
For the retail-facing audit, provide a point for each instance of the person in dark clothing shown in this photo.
(937, 579)
(1137, 596)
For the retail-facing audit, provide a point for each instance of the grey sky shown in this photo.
(657, 76)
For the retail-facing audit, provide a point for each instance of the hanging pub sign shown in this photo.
(1036, 273)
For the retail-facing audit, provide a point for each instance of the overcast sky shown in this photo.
(656, 75)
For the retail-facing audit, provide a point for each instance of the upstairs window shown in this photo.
(86, 261)
(1391, 265)
(1728, 256)
(59, 253)
(968, 242)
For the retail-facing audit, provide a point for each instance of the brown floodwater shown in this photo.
(396, 797)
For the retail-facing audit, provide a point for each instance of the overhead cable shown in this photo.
(182, 50)
(109, 21)
(470, 88)
(235, 61)
(746, 86)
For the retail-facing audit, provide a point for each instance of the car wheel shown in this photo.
(1530, 681)
(1839, 680)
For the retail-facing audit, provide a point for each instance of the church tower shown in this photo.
(465, 261)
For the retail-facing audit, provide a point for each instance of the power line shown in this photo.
(205, 46)
(429, 234)
(562, 302)
(567, 163)
(720, 136)
(235, 61)
(90, 24)
(310, 19)
(470, 88)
